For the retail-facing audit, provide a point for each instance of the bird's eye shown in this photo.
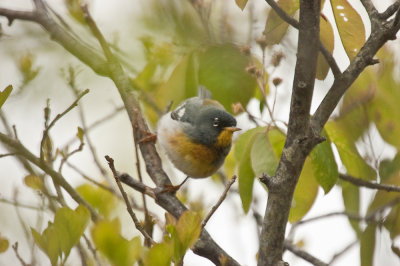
(216, 122)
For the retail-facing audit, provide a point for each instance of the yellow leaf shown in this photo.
(350, 26)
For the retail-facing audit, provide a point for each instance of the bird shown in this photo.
(197, 135)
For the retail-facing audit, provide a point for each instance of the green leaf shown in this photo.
(242, 151)
(351, 200)
(350, 26)
(263, 158)
(189, 228)
(305, 193)
(69, 226)
(367, 245)
(275, 27)
(25, 65)
(181, 84)
(324, 165)
(34, 182)
(75, 10)
(352, 113)
(4, 94)
(80, 134)
(48, 242)
(119, 251)
(351, 158)
(222, 70)
(383, 197)
(59, 237)
(4, 244)
(174, 243)
(159, 255)
(327, 39)
(241, 3)
(389, 167)
(182, 233)
(277, 140)
(384, 108)
(392, 222)
(102, 200)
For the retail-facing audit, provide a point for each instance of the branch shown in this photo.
(390, 10)
(21, 205)
(304, 255)
(136, 185)
(86, 54)
(53, 122)
(363, 183)
(21, 260)
(219, 202)
(57, 178)
(341, 252)
(294, 23)
(299, 141)
(282, 14)
(382, 31)
(205, 245)
(370, 8)
(128, 204)
(370, 217)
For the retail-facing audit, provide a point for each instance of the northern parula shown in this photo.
(197, 135)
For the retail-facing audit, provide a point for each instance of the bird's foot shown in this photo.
(148, 137)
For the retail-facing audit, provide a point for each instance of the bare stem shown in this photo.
(219, 202)
(128, 204)
(363, 183)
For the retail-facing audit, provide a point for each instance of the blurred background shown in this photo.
(160, 43)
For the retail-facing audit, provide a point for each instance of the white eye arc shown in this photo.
(216, 122)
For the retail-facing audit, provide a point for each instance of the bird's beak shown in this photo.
(232, 129)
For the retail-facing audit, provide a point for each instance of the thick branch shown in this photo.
(299, 141)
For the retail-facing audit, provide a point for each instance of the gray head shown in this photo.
(209, 124)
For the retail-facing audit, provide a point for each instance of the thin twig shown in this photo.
(7, 154)
(344, 250)
(92, 249)
(21, 260)
(282, 14)
(128, 204)
(303, 254)
(96, 32)
(66, 156)
(17, 204)
(57, 178)
(92, 180)
(52, 123)
(219, 202)
(363, 183)
(370, 217)
(96, 123)
(72, 85)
